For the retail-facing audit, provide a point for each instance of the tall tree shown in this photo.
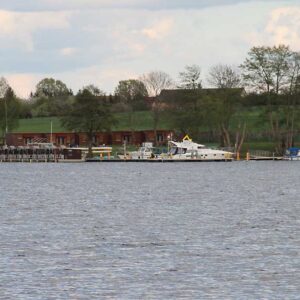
(224, 76)
(294, 76)
(88, 113)
(51, 88)
(292, 94)
(93, 89)
(192, 111)
(218, 108)
(132, 94)
(155, 82)
(9, 112)
(190, 78)
(266, 69)
(273, 71)
(4, 86)
(50, 98)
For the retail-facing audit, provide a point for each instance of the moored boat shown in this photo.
(144, 152)
(292, 154)
(189, 150)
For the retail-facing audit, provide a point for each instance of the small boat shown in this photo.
(292, 154)
(189, 150)
(143, 153)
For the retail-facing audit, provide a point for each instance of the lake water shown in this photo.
(150, 231)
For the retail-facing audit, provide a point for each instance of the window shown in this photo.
(95, 140)
(28, 140)
(160, 137)
(173, 150)
(127, 138)
(60, 140)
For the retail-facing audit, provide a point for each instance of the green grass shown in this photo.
(253, 118)
(39, 125)
(267, 146)
(142, 121)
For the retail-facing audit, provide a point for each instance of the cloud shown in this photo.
(23, 84)
(69, 51)
(41, 5)
(159, 30)
(20, 27)
(103, 46)
(106, 78)
(282, 27)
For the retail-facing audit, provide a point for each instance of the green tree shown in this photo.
(88, 113)
(132, 94)
(94, 90)
(184, 110)
(193, 111)
(51, 88)
(267, 69)
(217, 110)
(274, 71)
(9, 112)
(50, 98)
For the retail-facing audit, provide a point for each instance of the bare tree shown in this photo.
(155, 82)
(190, 77)
(4, 86)
(224, 76)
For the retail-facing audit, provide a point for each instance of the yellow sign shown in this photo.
(187, 138)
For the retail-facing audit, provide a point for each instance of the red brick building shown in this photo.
(80, 139)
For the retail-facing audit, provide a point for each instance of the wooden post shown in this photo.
(248, 156)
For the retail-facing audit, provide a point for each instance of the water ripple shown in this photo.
(150, 231)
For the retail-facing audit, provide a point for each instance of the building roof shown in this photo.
(190, 92)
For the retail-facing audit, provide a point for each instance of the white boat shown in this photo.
(144, 152)
(292, 154)
(189, 150)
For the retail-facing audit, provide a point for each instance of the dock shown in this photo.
(90, 160)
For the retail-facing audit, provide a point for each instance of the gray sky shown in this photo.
(104, 41)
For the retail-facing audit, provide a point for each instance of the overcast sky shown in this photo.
(104, 41)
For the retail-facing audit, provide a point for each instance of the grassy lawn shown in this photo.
(37, 125)
(142, 121)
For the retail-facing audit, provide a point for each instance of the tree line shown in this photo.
(269, 77)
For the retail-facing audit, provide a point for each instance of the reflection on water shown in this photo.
(150, 231)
